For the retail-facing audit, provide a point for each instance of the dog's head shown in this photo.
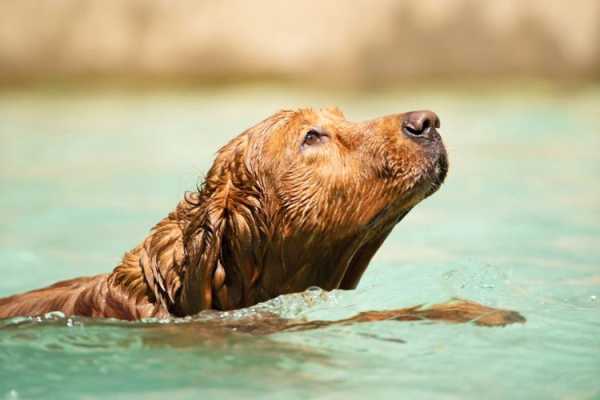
(304, 198)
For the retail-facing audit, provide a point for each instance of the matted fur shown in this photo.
(274, 215)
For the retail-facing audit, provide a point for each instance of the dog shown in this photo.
(304, 198)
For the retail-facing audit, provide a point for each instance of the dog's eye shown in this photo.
(312, 137)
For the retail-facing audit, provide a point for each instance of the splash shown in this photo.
(288, 306)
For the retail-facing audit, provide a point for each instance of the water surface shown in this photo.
(84, 176)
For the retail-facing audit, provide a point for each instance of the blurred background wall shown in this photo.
(359, 43)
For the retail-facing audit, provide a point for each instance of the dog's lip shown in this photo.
(440, 171)
(441, 168)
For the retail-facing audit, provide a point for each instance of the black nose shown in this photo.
(420, 123)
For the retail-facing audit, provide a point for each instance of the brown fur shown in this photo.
(273, 216)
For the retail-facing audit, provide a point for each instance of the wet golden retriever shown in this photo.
(304, 198)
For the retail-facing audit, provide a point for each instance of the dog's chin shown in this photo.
(437, 175)
(440, 171)
(430, 180)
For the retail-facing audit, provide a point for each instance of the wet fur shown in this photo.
(269, 219)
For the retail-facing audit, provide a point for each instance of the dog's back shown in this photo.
(71, 296)
(88, 296)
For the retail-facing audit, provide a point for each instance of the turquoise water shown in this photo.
(84, 176)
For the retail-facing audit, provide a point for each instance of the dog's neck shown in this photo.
(255, 265)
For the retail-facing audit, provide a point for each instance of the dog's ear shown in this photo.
(218, 220)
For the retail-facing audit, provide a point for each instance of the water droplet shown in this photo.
(593, 298)
(54, 315)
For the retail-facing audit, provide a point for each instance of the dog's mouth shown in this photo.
(440, 171)
(438, 174)
(438, 166)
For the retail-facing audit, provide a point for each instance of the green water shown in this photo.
(84, 176)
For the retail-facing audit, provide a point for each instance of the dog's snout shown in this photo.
(420, 123)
